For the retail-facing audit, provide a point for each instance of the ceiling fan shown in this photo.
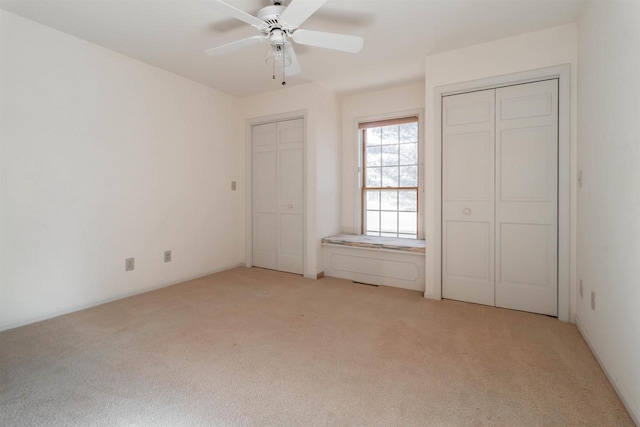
(279, 24)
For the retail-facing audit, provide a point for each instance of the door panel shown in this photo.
(290, 195)
(264, 195)
(527, 197)
(524, 155)
(291, 243)
(469, 175)
(468, 249)
(468, 197)
(264, 240)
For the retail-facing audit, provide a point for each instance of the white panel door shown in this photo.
(278, 195)
(468, 197)
(265, 203)
(527, 197)
(290, 195)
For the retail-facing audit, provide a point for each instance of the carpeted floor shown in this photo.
(257, 347)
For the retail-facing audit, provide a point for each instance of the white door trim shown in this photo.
(249, 123)
(563, 73)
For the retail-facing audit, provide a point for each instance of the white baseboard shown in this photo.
(634, 413)
(56, 313)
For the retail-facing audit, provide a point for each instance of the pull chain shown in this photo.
(283, 66)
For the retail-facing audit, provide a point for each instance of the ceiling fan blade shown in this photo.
(294, 68)
(239, 44)
(299, 10)
(239, 14)
(333, 41)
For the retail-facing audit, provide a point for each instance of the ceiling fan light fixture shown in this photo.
(278, 56)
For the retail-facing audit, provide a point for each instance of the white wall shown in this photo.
(329, 170)
(322, 174)
(363, 106)
(550, 47)
(609, 200)
(103, 158)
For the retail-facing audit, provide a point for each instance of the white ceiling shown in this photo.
(398, 35)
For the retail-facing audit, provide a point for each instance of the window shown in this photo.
(390, 178)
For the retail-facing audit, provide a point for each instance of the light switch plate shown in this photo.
(129, 264)
(167, 256)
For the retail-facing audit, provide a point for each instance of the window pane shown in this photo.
(389, 155)
(408, 222)
(372, 233)
(373, 221)
(374, 156)
(374, 136)
(373, 200)
(390, 176)
(409, 154)
(389, 200)
(408, 176)
(408, 201)
(389, 221)
(409, 132)
(390, 134)
(389, 234)
(373, 177)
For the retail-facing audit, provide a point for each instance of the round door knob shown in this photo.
(466, 211)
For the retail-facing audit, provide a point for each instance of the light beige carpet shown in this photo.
(257, 347)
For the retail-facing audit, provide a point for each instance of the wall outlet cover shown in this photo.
(593, 300)
(167, 256)
(129, 264)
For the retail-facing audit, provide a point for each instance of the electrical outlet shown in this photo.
(233, 186)
(593, 300)
(167, 256)
(581, 290)
(129, 264)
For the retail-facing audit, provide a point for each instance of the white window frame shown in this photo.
(359, 167)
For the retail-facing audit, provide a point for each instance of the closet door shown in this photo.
(290, 195)
(278, 195)
(265, 204)
(527, 197)
(468, 197)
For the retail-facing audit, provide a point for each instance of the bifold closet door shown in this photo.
(500, 197)
(290, 196)
(468, 197)
(278, 195)
(527, 197)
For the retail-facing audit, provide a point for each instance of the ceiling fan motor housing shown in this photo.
(270, 14)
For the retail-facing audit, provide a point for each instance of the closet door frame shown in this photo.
(565, 248)
(249, 123)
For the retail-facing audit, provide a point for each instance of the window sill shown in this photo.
(376, 243)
